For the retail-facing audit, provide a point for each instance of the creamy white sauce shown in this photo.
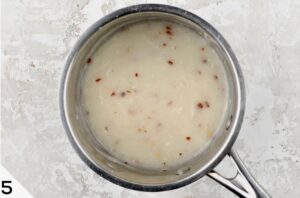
(155, 93)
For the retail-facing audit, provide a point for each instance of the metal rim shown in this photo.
(238, 77)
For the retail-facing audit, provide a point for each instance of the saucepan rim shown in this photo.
(236, 122)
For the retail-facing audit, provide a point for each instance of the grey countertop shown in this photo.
(36, 37)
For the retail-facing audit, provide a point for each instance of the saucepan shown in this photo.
(220, 146)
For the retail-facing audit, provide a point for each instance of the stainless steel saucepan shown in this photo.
(106, 165)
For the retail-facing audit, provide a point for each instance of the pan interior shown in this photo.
(93, 150)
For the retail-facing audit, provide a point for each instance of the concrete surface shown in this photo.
(36, 37)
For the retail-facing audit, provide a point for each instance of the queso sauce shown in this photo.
(154, 93)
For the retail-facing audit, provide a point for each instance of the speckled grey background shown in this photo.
(36, 37)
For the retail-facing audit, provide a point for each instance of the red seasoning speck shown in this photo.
(89, 60)
(168, 27)
(169, 32)
(136, 75)
(113, 93)
(188, 138)
(170, 62)
(200, 105)
(98, 80)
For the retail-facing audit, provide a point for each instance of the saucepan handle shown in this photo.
(242, 184)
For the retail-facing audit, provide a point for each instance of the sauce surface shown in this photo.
(154, 93)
